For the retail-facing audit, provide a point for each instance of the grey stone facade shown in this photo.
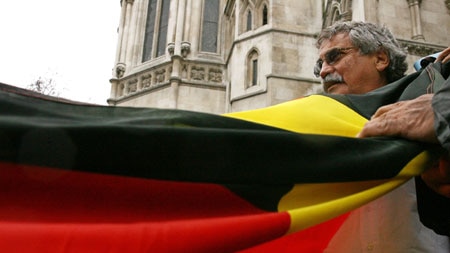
(264, 52)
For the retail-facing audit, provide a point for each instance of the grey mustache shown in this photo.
(333, 78)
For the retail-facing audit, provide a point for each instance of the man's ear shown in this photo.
(382, 60)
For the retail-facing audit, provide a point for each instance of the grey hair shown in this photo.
(369, 38)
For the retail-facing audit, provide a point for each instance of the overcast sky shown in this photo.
(71, 42)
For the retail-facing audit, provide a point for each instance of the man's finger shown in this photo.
(379, 126)
(444, 56)
(384, 109)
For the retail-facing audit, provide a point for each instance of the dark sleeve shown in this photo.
(434, 209)
(441, 107)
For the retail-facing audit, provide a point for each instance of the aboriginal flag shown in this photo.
(86, 178)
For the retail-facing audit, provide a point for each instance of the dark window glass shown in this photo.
(149, 30)
(210, 26)
(249, 21)
(265, 18)
(162, 31)
(255, 72)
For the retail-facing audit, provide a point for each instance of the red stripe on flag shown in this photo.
(209, 235)
(311, 240)
(47, 210)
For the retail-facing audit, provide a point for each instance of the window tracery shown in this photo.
(156, 29)
(249, 21)
(337, 10)
(210, 26)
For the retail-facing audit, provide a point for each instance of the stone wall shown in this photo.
(284, 50)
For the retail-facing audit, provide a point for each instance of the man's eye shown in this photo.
(332, 56)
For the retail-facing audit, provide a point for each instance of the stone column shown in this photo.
(120, 36)
(179, 33)
(126, 32)
(119, 67)
(131, 34)
(416, 22)
(175, 77)
(113, 93)
(187, 24)
(237, 22)
(171, 31)
(138, 38)
(185, 43)
(196, 17)
(358, 13)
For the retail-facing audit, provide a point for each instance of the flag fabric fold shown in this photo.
(82, 178)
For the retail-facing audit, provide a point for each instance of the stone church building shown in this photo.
(221, 56)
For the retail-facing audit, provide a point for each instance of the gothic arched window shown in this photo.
(249, 21)
(252, 68)
(210, 26)
(265, 15)
(156, 29)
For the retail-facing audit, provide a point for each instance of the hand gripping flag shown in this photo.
(83, 178)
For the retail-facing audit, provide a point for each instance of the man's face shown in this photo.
(345, 71)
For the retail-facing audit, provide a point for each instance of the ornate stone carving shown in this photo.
(171, 48)
(215, 75)
(120, 70)
(160, 75)
(185, 48)
(419, 49)
(132, 85)
(346, 16)
(184, 71)
(198, 73)
(146, 80)
(337, 10)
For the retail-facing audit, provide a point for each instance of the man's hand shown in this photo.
(412, 119)
(444, 56)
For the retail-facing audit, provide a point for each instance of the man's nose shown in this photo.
(325, 70)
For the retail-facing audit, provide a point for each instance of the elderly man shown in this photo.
(356, 58)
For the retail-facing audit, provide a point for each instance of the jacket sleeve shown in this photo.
(434, 209)
(441, 107)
